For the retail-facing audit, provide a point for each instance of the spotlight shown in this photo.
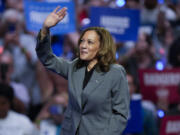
(161, 1)
(117, 55)
(160, 113)
(120, 3)
(159, 65)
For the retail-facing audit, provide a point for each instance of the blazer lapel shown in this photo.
(96, 79)
(78, 78)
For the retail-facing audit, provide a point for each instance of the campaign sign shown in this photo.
(36, 12)
(170, 125)
(123, 24)
(1, 6)
(135, 121)
(156, 84)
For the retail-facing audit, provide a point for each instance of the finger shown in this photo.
(56, 9)
(62, 16)
(62, 11)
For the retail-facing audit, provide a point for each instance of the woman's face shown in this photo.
(89, 45)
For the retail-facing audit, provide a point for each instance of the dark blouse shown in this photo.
(87, 76)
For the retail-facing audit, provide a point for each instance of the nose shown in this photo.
(83, 45)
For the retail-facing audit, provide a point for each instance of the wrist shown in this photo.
(44, 32)
(45, 29)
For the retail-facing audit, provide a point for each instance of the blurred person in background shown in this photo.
(50, 83)
(163, 38)
(174, 53)
(50, 118)
(22, 100)
(22, 48)
(11, 122)
(69, 47)
(45, 84)
(133, 4)
(141, 56)
(149, 12)
(150, 123)
(15, 4)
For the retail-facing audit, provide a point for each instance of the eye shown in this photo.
(81, 40)
(90, 42)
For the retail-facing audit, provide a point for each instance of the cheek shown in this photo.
(94, 48)
(94, 51)
(79, 46)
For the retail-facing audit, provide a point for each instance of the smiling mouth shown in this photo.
(83, 52)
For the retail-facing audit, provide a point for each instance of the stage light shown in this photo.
(159, 65)
(120, 3)
(86, 21)
(161, 1)
(160, 113)
(117, 55)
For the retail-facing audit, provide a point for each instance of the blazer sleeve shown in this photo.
(120, 103)
(48, 59)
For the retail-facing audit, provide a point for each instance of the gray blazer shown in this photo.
(102, 107)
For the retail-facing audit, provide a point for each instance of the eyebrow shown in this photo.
(89, 39)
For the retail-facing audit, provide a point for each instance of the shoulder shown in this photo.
(20, 117)
(117, 69)
(74, 61)
(117, 73)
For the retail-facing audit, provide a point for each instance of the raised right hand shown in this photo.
(54, 17)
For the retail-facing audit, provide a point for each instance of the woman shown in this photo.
(98, 89)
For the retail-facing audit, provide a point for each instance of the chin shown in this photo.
(83, 58)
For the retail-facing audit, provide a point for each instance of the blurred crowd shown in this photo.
(37, 98)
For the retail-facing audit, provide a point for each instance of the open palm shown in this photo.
(54, 17)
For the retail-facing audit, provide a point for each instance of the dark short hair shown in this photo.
(107, 53)
(6, 91)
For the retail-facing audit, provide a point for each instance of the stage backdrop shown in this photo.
(122, 23)
(155, 84)
(36, 12)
